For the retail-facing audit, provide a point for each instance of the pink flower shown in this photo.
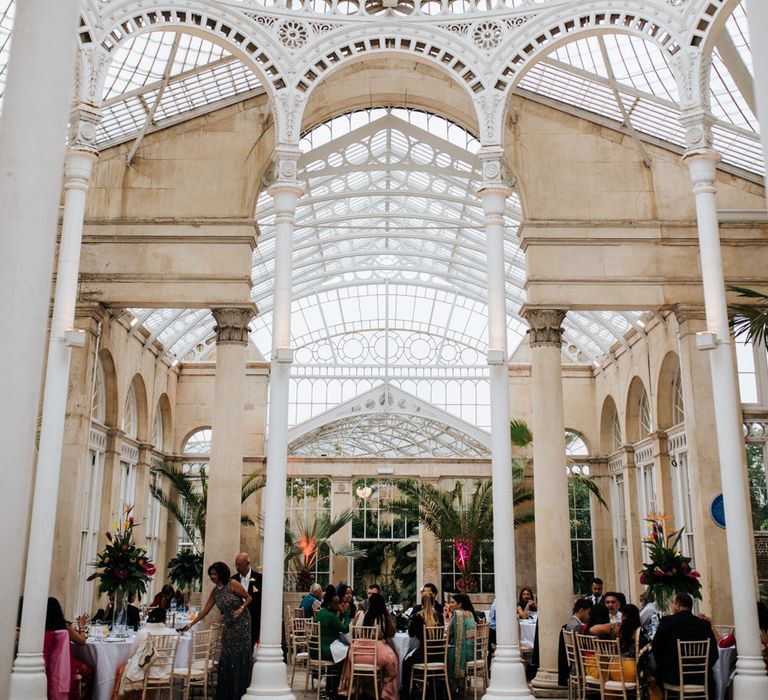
(149, 569)
(109, 535)
(643, 577)
(93, 576)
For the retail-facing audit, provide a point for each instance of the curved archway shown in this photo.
(638, 419)
(197, 441)
(610, 427)
(109, 374)
(162, 424)
(669, 397)
(136, 411)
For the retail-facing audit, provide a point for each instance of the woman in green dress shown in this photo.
(461, 637)
(332, 623)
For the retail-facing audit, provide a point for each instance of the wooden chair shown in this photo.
(297, 645)
(314, 658)
(613, 683)
(159, 674)
(213, 662)
(364, 657)
(435, 664)
(575, 671)
(585, 650)
(693, 663)
(477, 667)
(195, 674)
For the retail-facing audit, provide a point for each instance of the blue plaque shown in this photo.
(717, 510)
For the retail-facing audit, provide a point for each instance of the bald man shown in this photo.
(251, 581)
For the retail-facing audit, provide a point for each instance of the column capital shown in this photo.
(702, 167)
(285, 170)
(697, 123)
(232, 324)
(545, 326)
(83, 122)
(496, 172)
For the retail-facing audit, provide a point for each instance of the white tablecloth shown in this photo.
(722, 670)
(106, 657)
(401, 643)
(527, 632)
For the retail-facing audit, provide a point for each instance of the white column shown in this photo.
(32, 142)
(222, 532)
(270, 678)
(28, 678)
(757, 13)
(550, 483)
(751, 680)
(508, 678)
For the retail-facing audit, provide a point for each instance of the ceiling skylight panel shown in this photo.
(738, 28)
(7, 15)
(727, 101)
(584, 54)
(641, 64)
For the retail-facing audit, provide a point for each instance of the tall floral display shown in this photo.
(125, 568)
(668, 572)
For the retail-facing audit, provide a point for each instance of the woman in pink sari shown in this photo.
(376, 615)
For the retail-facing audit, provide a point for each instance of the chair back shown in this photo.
(200, 648)
(299, 626)
(435, 645)
(482, 633)
(361, 632)
(58, 671)
(693, 660)
(364, 651)
(298, 612)
(609, 663)
(574, 668)
(165, 654)
(216, 628)
(313, 640)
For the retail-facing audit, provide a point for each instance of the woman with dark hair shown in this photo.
(347, 599)
(377, 615)
(526, 603)
(232, 601)
(332, 624)
(55, 621)
(164, 597)
(461, 637)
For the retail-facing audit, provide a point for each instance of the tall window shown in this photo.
(98, 399)
(677, 445)
(309, 499)
(645, 424)
(158, 432)
(615, 431)
(678, 404)
(130, 416)
(748, 371)
(580, 513)
(756, 432)
(129, 459)
(196, 451)
(620, 542)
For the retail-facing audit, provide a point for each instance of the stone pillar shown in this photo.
(508, 679)
(32, 141)
(341, 500)
(602, 526)
(703, 466)
(757, 13)
(141, 502)
(270, 679)
(632, 519)
(751, 680)
(28, 678)
(550, 484)
(225, 475)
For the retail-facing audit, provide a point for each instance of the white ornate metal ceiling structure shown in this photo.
(398, 226)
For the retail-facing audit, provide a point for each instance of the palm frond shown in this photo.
(750, 321)
(519, 433)
(590, 485)
(251, 484)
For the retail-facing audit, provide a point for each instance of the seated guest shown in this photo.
(377, 615)
(310, 603)
(347, 598)
(461, 637)
(649, 614)
(526, 603)
(332, 623)
(432, 588)
(373, 588)
(426, 616)
(581, 611)
(599, 624)
(106, 615)
(163, 598)
(130, 676)
(54, 621)
(685, 626)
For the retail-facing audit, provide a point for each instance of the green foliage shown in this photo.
(185, 570)
(758, 490)
(187, 499)
(750, 321)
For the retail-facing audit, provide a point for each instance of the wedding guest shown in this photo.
(236, 649)
(310, 603)
(461, 633)
(250, 580)
(163, 598)
(332, 623)
(649, 613)
(377, 615)
(597, 591)
(54, 621)
(432, 588)
(426, 616)
(581, 611)
(526, 603)
(347, 598)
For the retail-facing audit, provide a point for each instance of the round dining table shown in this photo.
(105, 656)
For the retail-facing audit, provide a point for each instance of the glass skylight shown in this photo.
(7, 13)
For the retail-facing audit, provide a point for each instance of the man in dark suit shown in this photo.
(597, 591)
(687, 627)
(432, 588)
(251, 581)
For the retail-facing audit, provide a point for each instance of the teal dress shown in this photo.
(461, 641)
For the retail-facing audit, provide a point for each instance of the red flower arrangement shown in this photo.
(668, 572)
(124, 565)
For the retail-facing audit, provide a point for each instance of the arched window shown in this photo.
(158, 432)
(196, 448)
(98, 400)
(645, 424)
(615, 431)
(579, 512)
(678, 405)
(198, 443)
(130, 415)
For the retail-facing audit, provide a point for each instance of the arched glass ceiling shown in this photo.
(388, 250)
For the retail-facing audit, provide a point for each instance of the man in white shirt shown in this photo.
(613, 603)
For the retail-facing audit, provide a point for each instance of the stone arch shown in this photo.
(669, 374)
(164, 411)
(111, 404)
(250, 41)
(542, 37)
(609, 417)
(142, 408)
(189, 434)
(636, 395)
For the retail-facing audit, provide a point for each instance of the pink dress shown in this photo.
(387, 661)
